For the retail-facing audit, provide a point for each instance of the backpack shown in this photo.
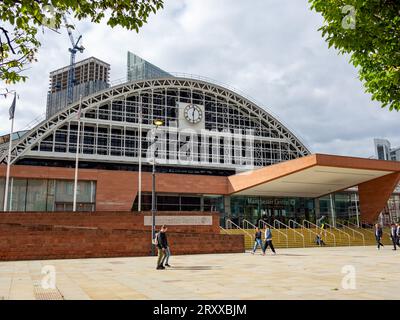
(155, 239)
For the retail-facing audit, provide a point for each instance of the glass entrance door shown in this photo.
(251, 213)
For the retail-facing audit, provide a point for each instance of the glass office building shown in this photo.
(139, 69)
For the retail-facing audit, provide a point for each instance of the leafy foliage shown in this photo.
(372, 40)
(23, 18)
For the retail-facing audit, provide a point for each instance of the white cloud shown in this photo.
(268, 49)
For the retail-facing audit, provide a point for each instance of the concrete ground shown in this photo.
(314, 273)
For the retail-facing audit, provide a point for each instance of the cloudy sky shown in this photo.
(270, 49)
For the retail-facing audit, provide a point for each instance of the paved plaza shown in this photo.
(314, 273)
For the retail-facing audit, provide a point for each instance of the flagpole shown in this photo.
(8, 166)
(77, 154)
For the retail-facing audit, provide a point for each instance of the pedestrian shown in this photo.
(378, 235)
(319, 241)
(268, 241)
(398, 233)
(257, 240)
(393, 235)
(167, 250)
(161, 247)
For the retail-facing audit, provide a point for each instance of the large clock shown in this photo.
(193, 113)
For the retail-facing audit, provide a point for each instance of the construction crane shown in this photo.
(74, 49)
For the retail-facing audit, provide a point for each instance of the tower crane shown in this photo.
(73, 50)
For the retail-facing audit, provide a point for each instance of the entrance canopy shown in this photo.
(311, 177)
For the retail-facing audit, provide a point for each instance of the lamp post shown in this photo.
(157, 123)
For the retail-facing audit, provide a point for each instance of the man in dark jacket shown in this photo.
(378, 235)
(393, 235)
(162, 244)
(398, 233)
(268, 241)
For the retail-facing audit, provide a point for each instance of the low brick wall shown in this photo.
(18, 242)
(63, 235)
(108, 220)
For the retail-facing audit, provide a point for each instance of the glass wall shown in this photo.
(270, 208)
(392, 210)
(181, 202)
(48, 195)
(346, 207)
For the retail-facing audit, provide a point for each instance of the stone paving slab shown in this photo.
(312, 273)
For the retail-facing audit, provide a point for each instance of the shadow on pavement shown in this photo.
(195, 268)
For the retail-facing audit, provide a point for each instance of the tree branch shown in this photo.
(8, 39)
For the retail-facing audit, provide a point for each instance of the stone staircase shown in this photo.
(305, 237)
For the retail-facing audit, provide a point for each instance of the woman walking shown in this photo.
(257, 240)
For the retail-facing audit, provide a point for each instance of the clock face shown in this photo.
(193, 113)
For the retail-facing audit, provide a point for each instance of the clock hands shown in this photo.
(193, 114)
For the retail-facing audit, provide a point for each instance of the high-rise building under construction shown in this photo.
(90, 75)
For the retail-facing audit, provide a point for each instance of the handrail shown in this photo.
(346, 227)
(354, 232)
(295, 231)
(304, 228)
(369, 230)
(340, 231)
(353, 224)
(247, 222)
(318, 228)
(386, 232)
(238, 227)
(277, 230)
(224, 230)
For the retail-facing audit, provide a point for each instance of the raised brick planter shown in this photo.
(31, 236)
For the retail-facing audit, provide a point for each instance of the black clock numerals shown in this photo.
(193, 113)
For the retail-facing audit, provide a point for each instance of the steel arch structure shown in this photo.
(123, 92)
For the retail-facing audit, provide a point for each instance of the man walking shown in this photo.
(378, 235)
(167, 250)
(398, 233)
(257, 241)
(393, 235)
(268, 241)
(162, 245)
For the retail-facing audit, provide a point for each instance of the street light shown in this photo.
(157, 123)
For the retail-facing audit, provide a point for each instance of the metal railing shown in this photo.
(386, 232)
(352, 224)
(369, 229)
(279, 223)
(246, 224)
(309, 224)
(354, 232)
(372, 227)
(310, 232)
(280, 233)
(340, 232)
(223, 230)
(229, 223)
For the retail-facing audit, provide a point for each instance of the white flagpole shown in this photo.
(140, 157)
(8, 166)
(77, 154)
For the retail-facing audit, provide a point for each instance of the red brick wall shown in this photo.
(107, 220)
(49, 242)
(117, 190)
